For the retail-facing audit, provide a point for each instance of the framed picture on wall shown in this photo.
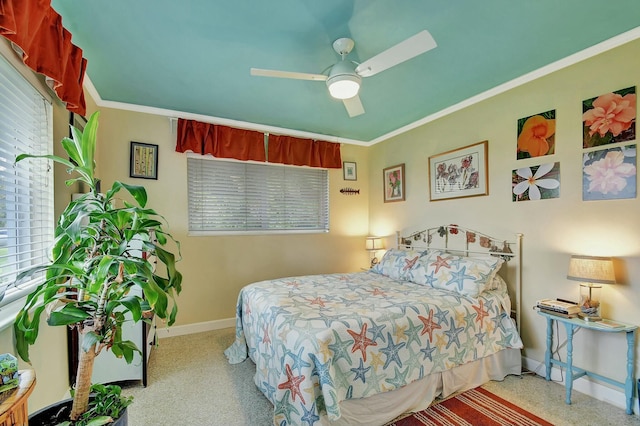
(143, 160)
(349, 171)
(393, 184)
(459, 173)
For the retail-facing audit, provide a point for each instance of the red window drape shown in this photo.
(239, 144)
(220, 141)
(304, 152)
(37, 29)
(229, 142)
(195, 136)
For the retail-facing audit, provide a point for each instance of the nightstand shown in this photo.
(573, 373)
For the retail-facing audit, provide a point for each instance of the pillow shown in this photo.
(398, 264)
(468, 276)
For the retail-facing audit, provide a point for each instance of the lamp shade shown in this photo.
(591, 269)
(374, 243)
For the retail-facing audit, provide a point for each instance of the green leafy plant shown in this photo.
(105, 405)
(95, 263)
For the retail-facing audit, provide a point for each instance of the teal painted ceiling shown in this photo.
(194, 56)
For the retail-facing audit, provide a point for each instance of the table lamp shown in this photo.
(373, 244)
(591, 271)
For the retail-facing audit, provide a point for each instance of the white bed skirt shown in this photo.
(382, 408)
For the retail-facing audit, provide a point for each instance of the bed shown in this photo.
(432, 318)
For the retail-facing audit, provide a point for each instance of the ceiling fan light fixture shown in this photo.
(344, 86)
(345, 76)
(343, 82)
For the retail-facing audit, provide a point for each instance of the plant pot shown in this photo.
(59, 412)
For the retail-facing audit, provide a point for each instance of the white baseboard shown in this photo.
(595, 390)
(180, 330)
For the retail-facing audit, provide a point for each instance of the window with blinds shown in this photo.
(26, 188)
(231, 196)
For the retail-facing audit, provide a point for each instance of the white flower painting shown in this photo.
(536, 182)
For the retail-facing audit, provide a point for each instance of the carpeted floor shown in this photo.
(192, 384)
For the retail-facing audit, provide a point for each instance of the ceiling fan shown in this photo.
(345, 76)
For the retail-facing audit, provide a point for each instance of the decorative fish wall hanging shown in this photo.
(349, 191)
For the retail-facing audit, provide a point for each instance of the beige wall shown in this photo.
(553, 229)
(216, 268)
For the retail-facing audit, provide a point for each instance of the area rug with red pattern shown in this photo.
(475, 407)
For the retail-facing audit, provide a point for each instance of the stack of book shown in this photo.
(558, 307)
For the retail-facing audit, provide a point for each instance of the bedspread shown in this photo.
(318, 340)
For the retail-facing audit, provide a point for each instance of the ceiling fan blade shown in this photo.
(287, 74)
(354, 106)
(403, 51)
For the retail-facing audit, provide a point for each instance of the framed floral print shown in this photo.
(459, 173)
(393, 183)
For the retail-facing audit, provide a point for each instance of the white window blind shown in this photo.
(229, 196)
(26, 188)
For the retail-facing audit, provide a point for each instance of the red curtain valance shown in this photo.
(229, 142)
(195, 136)
(37, 29)
(304, 152)
(220, 141)
(239, 144)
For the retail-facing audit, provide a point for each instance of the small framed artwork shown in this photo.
(349, 171)
(143, 160)
(459, 173)
(393, 183)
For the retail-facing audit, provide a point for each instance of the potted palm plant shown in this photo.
(95, 262)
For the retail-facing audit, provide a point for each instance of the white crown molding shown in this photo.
(590, 52)
(172, 114)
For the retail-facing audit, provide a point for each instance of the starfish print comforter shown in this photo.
(318, 340)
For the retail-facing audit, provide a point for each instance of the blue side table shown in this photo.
(573, 373)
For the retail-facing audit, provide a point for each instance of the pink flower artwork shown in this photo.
(609, 118)
(609, 174)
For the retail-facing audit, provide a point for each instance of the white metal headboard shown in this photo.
(459, 240)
